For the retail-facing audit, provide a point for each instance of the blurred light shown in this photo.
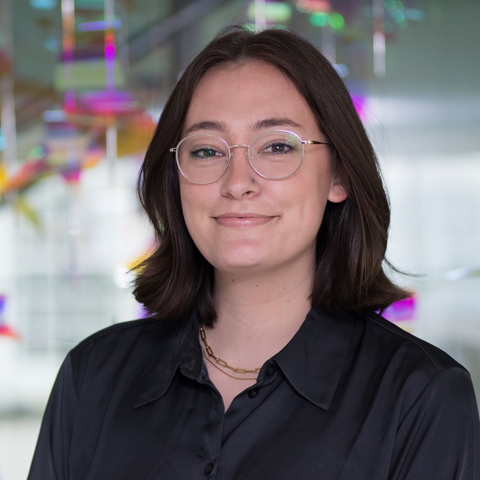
(70, 101)
(389, 4)
(342, 70)
(399, 17)
(360, 103)
(68, 8)
(109, 52)
(154, 113)
(247, 26)
(414, 14)
(3, 141)
(322, 19)
(461, 273)
(43, 4)
(105, 103)
(336, 21)
(52, 44)
(319, 19)
(310, 6)
(123, 276)
(37, 152)
(109, 46)
(68, 45)
(402, 310)
(274, 12)
(54, 116)
(99, 26)
(379, 48)
(393, 5)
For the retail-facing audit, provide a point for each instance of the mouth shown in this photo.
(242, 219)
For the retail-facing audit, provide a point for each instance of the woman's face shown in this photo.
(242, 226)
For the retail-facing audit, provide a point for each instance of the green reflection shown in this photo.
(336, 21)
(399, 17)
(319, 19)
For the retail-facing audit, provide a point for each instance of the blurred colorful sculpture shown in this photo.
(67, 152)
(403, 313)
(5, 330)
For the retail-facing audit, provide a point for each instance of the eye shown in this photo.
(205, 152)
(278, 148)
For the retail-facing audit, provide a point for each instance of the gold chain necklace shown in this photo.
(223, 363)
(225, 373)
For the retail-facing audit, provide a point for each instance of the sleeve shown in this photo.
(439, 437)
(50, 460)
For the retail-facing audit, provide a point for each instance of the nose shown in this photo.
(237, 180)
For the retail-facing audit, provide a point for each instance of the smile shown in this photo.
(242, 220)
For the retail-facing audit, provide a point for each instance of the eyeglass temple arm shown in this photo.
(173, 149)
(314, 142)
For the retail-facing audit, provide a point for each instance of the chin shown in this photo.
(237, 265)
(236, 261)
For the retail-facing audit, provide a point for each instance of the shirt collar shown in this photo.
(314, 359)
(179, 349)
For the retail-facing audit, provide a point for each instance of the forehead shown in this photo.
(248, 92)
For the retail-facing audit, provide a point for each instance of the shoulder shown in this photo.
(409, 367)
(388, 335)
(425, 396)
(128, 347)
(123, 335)
(125, 331)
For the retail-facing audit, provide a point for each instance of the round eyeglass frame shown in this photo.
(249, 156)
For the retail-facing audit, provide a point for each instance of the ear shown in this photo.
(337, 193)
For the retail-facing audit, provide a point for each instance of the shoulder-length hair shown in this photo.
(352, 239)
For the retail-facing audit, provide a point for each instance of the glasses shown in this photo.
(273, 155)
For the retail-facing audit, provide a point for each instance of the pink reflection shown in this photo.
(359, 102)
(402, 310)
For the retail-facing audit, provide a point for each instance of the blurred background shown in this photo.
(82, 84)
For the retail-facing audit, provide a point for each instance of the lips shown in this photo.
(233, 219)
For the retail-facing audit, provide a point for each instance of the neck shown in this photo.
(257, 315)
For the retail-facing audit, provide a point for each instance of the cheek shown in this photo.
(189, 212)
(313, 194)
(313, 216)
(311, 208)
(195, 206)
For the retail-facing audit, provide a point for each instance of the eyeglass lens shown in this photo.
(273, 155)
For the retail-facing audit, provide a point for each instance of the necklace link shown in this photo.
(221, 362)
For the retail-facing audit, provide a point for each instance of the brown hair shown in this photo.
(352, 239)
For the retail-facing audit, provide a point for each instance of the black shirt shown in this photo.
(347, 399)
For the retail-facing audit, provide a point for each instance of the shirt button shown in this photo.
(253, 393)
(208, 468)
(271, 369)
(189, 363)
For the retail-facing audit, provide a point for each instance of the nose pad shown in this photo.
(238, 177)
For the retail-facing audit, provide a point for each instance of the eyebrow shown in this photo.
(260, 125)
(274, 122)
(217, 126)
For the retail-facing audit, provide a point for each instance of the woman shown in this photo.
(263, 357)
